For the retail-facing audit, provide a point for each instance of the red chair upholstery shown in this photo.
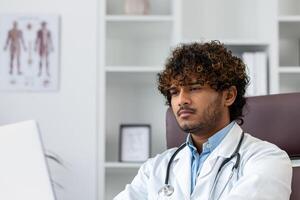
(274, 118)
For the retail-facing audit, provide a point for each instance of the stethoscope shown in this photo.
(167, 190)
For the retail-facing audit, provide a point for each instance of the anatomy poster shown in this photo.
(29, 52)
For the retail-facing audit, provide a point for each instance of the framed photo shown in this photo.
(134, 142)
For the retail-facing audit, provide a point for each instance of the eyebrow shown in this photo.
(189, 84)
(196, 83)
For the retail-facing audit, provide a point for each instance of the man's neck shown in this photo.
(200, 138)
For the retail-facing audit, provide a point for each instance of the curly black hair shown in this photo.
(210, 63)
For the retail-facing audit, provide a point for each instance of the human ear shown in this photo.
(230, 96)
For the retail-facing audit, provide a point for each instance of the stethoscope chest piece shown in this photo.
(166, 191)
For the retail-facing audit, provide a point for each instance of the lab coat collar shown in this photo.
(224, 149)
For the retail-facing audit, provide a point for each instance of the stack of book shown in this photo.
(256, 63)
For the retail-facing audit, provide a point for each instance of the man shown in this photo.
(44, 45)
(205, 85)
(14, 41)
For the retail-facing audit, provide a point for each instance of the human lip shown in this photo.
(185, 113)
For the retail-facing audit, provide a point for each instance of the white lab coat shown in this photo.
(265, 173)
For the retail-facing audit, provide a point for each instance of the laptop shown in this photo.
(24, 173)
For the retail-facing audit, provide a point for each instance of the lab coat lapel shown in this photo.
(224, 150)
(182, 171)
(208, 166)
(229, 143)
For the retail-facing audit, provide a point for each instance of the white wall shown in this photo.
(67, 117)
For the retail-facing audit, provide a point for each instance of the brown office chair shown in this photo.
(274, 118)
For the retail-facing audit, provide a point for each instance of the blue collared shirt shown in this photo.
(208, 147)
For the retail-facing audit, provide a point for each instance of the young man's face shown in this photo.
(199, 109)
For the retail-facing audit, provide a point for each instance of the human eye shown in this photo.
(195, 87)
(173, 91)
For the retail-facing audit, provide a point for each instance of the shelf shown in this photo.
(289, 49)
(132, 78)
(238, 46)
(245, 42)
(289, 7)
(137, 69)
(116, 180)
(118, 165)
(136, 43)
(289, 46)
(135, 29)
(137, 51)
(289, 69)
(234, 42)
(230, 19)
(289, 82)
(156, 7)
(289, 29)
(139, 18)
(296, 163)
(289, 18)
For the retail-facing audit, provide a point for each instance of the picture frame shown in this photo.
(134, 142)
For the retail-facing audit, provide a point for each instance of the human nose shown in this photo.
(183, 98)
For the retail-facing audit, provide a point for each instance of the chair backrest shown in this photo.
(274, 118)
(296, 184)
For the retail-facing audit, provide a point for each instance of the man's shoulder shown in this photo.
(252, 141)
(256, 148)
(265, 162)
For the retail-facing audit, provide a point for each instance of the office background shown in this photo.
(108, 67)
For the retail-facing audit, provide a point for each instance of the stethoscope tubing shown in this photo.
(215, 184)
(234, 168)
(170, 162)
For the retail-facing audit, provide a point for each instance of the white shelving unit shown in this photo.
(289, 45)
(133, 49)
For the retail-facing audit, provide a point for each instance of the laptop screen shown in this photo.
(24, 172)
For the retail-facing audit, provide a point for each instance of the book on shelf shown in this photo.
(256, 63)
